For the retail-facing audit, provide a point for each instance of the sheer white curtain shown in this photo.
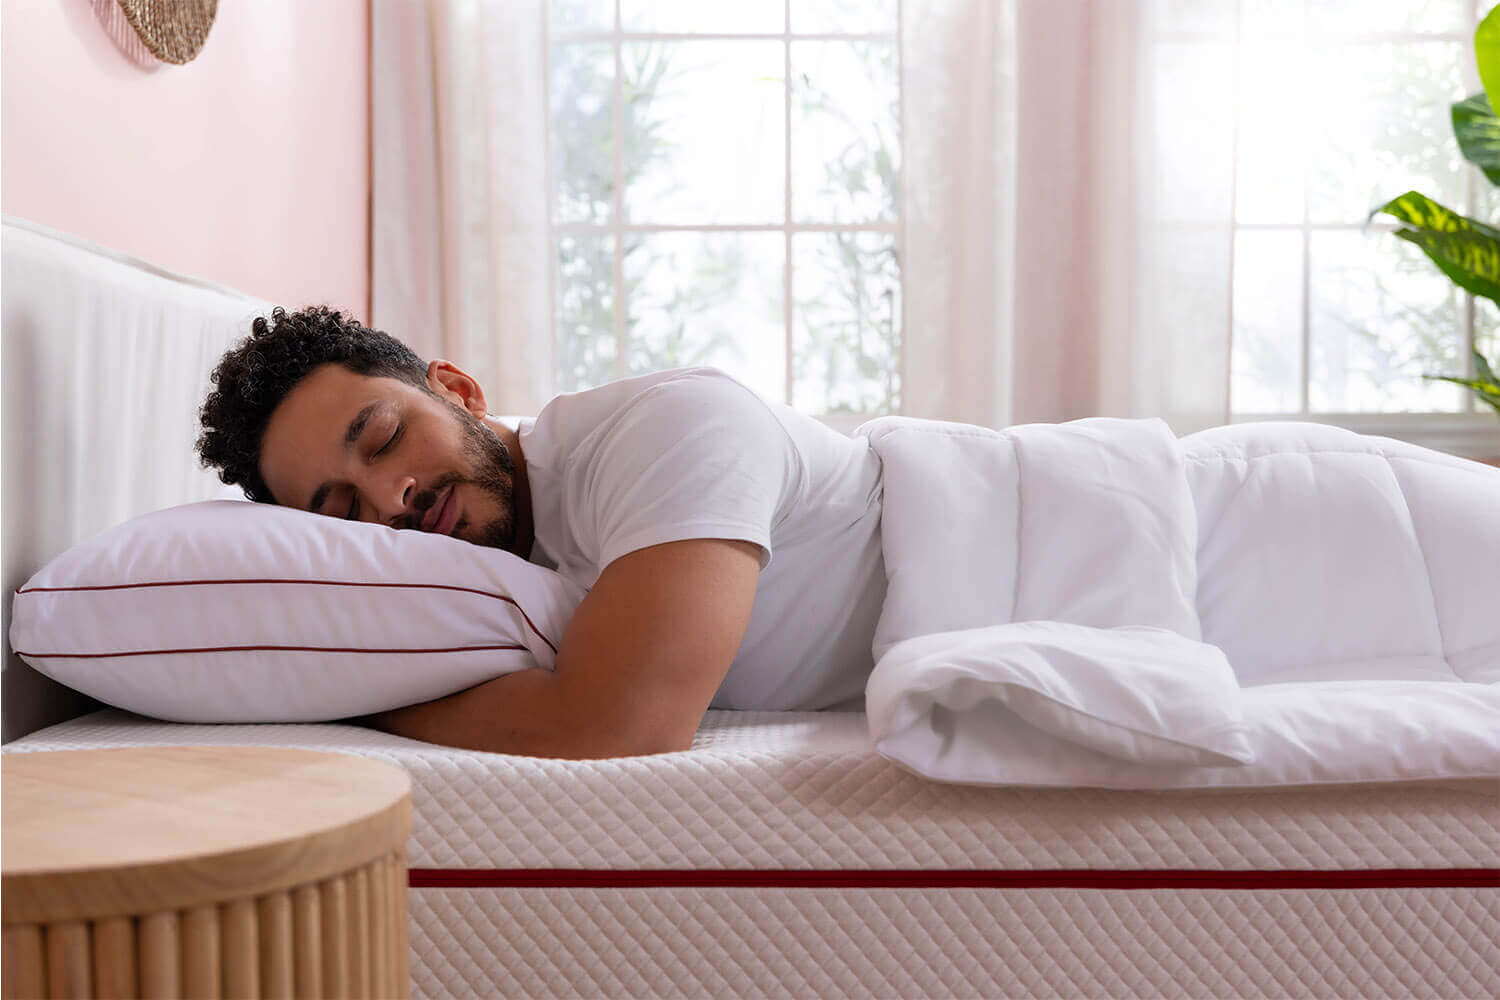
(1067, 195)
(1163, 207)
(1124, 210)
(461, 258)
(959, 80)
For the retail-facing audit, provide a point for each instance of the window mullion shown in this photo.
(901, 259)
(787, 216)
(619, 219)
(745, 36)
(554, 258)
(1471, 333)
(1236, 69)
(810, 227)
(1306, 401)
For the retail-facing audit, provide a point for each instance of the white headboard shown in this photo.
(106, 361)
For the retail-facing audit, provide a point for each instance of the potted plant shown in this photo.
(1467, 250)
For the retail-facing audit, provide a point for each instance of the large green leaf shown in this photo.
(1478, 133)
(1482, 367)
(1487, 391)
(1484, 383)
(1487, 54)
(1467, 251)
(1471, 260)
(1418, 210)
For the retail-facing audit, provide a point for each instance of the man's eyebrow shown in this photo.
(356, 428)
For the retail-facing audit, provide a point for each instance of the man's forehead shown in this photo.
(330, 397)
(310, 428)
(333, 378)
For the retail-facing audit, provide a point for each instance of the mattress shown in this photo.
(779, 856)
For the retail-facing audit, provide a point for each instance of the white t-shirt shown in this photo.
(692, 453)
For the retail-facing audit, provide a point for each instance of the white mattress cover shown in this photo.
(925, 943)
(804, 790)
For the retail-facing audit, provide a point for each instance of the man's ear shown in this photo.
(457, 386)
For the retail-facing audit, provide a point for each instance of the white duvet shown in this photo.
(1099, 603)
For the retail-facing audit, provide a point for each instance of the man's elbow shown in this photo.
(572, 732)
(589, 721)
(599, 744)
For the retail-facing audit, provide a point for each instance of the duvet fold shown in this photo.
(1096, 602)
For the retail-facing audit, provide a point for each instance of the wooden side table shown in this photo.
(204, 871)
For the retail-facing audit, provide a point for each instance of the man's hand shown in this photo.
(637, 666)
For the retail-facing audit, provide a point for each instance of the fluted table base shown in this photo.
(340, 937)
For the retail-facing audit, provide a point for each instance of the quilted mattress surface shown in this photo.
(779, 791)
(848, 876)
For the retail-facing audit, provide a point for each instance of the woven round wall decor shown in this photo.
(158, 31)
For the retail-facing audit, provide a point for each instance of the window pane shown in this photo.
(846, 325)
(1193, 92)
(1487, 200)
(705, 132)
(580, 15)
(1369, 16)
(1267, 361)
(1382, 315)
(1280, 18)
(586, 344)
(708, 299)
(684, 16)
(1381, 126)
(581, 89)
(846, 154)
(1272, 98)
(1185, 296)
(843, 16)
(1191, 15)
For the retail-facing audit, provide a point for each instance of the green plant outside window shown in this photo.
(1466, 250)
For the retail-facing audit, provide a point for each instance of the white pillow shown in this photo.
(1135, 693)
(228, 611)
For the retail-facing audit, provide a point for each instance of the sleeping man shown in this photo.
(664, 495)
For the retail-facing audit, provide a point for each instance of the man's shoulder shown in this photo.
(571, 422)
(615, 395)
(703, 383)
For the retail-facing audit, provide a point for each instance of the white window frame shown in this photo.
(618, 228)
(1474, 431)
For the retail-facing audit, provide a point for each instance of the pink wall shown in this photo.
(248, 166)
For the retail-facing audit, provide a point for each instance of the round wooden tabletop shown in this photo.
(94, 833)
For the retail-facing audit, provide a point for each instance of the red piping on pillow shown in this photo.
(236, 649)
(320, 583)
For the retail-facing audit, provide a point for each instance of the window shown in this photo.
(1341, 107)
(725, 191)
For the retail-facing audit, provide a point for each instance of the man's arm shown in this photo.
(638, 663)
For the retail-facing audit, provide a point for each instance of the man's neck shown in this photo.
(525, 530)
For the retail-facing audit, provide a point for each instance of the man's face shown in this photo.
(408, 453)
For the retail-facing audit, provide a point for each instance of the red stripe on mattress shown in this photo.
(1062, 878)
(316, 583)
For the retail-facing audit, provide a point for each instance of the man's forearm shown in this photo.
(637, 667)
(522, 713)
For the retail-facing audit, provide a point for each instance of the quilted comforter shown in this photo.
(1101, 603)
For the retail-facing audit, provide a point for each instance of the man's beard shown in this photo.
(494, 474)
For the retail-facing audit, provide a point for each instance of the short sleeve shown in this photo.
(699, 456)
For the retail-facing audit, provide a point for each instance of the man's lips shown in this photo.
(435, 514)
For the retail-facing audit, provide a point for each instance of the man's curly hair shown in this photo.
(256, 374)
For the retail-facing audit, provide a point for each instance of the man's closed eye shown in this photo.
(354, 504)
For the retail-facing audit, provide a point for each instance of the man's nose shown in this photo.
(400, 495)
